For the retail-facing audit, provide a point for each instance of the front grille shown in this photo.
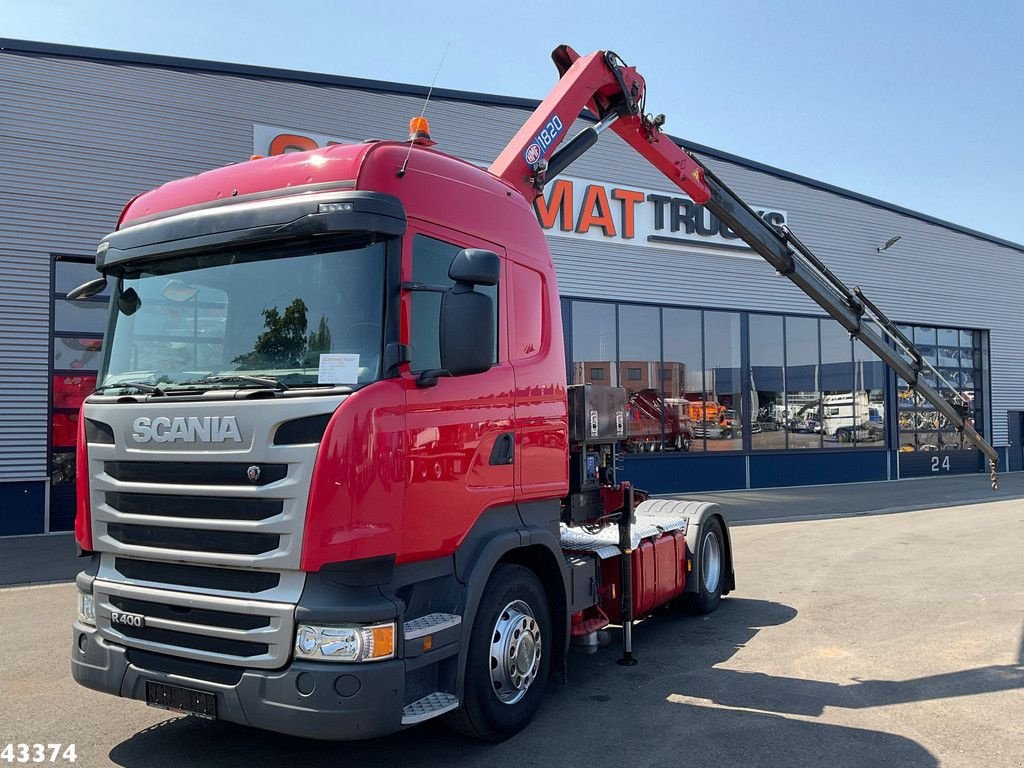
(194, 472)
(218, 645)
(213, 507)
(224, 579)
(191, 615)
(194, 539)
(205, 628)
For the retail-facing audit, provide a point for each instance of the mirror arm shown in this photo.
(429, 377)
(413, 286)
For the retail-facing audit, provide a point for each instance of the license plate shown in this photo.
(184, 700)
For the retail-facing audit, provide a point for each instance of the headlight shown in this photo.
(351, 642)
(86, 609)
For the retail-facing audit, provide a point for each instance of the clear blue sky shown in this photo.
(920, 103)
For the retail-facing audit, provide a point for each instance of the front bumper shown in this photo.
(319, 701)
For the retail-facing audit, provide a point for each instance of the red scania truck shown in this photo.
(333, 482)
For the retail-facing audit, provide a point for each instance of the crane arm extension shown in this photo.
(615, 93)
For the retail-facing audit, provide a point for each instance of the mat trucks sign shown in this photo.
(594, 210)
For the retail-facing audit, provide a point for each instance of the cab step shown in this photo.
(429, 624)
(429, 706)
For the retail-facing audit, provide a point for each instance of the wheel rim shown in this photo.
(515, 652)
(711, 561)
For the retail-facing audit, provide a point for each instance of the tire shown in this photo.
(842, 435)
(712, 540)
(500, 699)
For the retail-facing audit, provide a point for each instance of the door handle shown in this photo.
(503, 451)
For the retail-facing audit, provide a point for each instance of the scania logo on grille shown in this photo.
(187, 429)
(254, 473)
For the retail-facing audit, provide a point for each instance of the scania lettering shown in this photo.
(422, 517)
(208, 429)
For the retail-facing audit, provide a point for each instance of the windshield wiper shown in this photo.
(263, 382)
(132, 385)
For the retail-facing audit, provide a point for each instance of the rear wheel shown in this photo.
(711, 565)
(509, 657)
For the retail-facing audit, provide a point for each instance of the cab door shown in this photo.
(459, 432)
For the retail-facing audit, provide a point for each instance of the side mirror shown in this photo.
(467, 331)
(466, 335)
(475, 266)
(85, 290)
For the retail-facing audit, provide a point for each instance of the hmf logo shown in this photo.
(543, 141)
(585, 209)
(187, 429)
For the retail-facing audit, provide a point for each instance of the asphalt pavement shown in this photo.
(861, 641)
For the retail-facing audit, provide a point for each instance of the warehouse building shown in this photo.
(737, 380)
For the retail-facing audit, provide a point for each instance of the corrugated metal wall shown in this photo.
(79, 137)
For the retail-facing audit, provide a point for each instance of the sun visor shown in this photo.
(254, 222)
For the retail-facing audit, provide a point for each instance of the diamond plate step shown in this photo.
(429, 706)
(605, 543)
(432, 622)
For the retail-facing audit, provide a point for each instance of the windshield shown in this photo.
(311, 317)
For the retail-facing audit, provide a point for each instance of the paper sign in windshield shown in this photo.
(338, 368)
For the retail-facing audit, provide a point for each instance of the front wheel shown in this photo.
(509, 657)
(711, 565)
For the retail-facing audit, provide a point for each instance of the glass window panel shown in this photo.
(64, 429)
(768, 383)
(594, 346)
(80, 316)
(62, 468)
(682, 380)
(74, 354)
(70, 391)
(948, 356)
(966, 338)
(68, 275)
(724, 409)
(838, 405)
(640, 372)
(948, 337)
(924, 335)
(869, 375)
(803, 383)
(431, 259)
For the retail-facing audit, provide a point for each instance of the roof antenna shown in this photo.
(420, 122)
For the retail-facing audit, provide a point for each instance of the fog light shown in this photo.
(86, 609)
(351, 642)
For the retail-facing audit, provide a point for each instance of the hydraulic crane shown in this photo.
(616, 94)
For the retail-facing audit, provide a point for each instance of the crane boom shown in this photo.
(616, 93)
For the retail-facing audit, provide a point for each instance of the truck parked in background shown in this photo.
(848, 416)
(654, 426)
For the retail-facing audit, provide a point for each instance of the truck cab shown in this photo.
(282, 426)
